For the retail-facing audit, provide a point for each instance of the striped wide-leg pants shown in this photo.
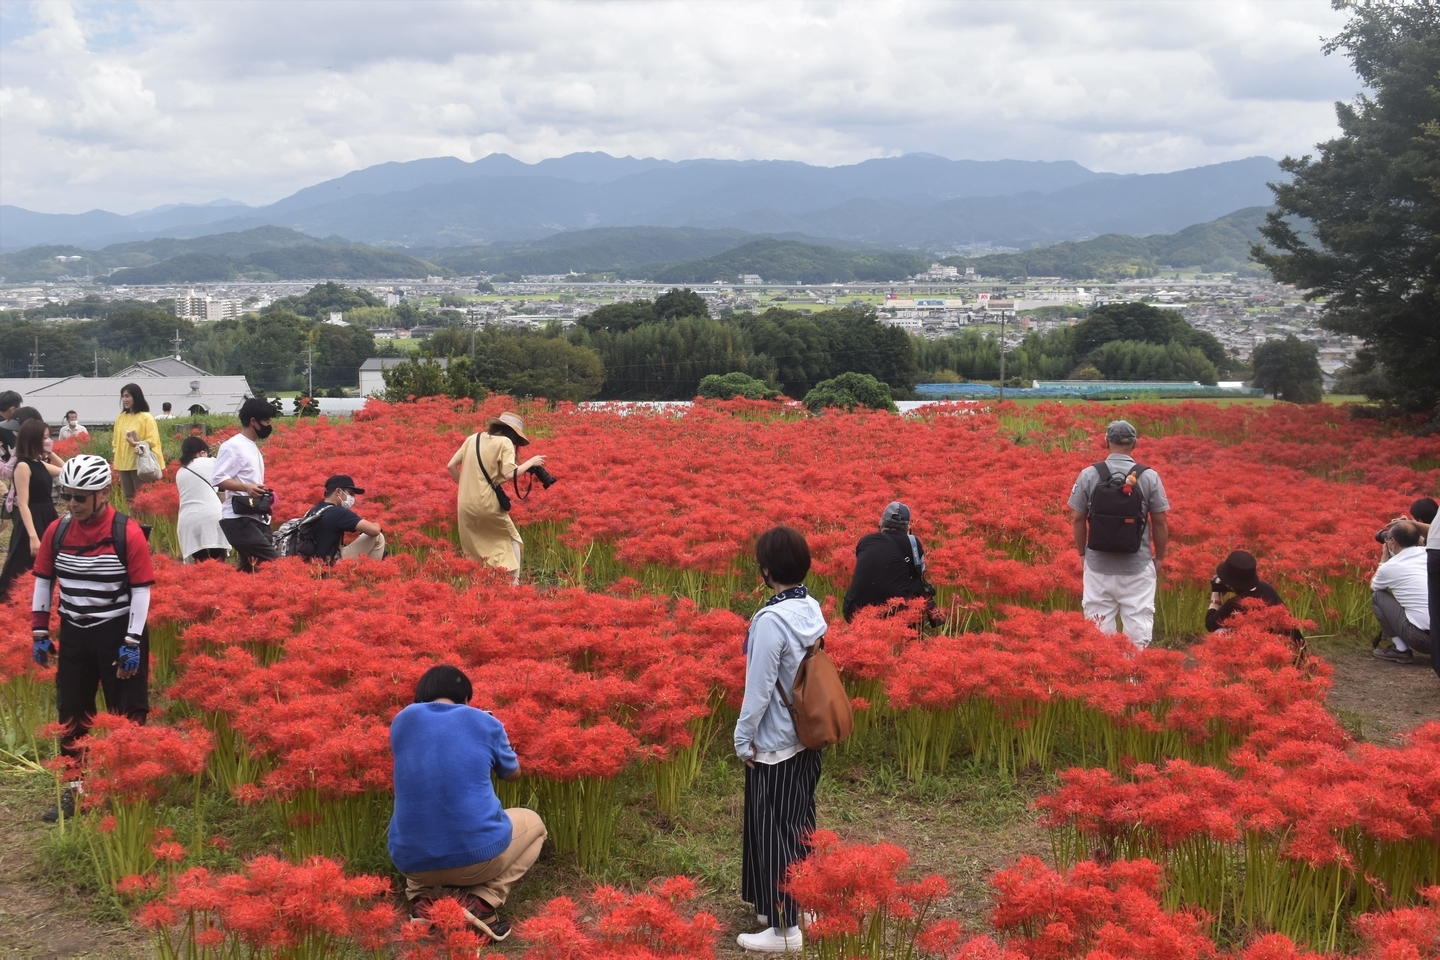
(779, 818)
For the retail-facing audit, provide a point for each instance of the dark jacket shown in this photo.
(884, 570)
(1215, 619)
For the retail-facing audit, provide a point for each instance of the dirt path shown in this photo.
(38, 917)
(1377, 700)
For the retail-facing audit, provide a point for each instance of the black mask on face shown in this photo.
(263, 430)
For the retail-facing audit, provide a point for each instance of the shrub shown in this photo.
(848, 391)
(736, 384)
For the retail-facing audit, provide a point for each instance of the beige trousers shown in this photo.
(490, 881)
(364, 546)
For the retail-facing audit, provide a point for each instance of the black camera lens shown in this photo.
(1382, 536)
(545, 477)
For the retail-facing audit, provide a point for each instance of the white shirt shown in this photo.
(78, 430)
(199, 524)
(1404, 575)
(238, 459)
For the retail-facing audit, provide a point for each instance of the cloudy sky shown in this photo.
(125, 106)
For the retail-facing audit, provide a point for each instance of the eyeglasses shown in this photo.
(76, 497)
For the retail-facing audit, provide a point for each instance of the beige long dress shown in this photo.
(487, 533)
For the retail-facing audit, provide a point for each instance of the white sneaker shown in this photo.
(772, 940)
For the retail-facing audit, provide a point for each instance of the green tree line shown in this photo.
(269, 349)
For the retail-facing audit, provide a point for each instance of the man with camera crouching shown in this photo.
(1400, 596)
(1422, 511)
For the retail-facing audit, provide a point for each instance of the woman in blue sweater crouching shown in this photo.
(449, 836)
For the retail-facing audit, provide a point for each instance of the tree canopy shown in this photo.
(1371, 199)
(1288, 369)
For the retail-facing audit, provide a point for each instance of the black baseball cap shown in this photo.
(341, 481)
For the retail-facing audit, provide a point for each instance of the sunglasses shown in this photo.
(76, 497)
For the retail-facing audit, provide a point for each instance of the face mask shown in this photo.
(349, 501)
(264, 430)
(49, 445)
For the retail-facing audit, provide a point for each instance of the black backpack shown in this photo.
(296, 538)
(1117, 518)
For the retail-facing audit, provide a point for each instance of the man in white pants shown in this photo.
(1122, 542)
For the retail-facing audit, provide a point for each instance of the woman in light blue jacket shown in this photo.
(780, 773)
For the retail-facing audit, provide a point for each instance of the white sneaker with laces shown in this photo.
(772, 940)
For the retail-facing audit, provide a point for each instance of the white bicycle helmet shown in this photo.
(85, 472)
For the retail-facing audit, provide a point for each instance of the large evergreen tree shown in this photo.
(1372, 199)
(1288, 369)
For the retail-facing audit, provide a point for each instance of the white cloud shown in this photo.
(128, 107)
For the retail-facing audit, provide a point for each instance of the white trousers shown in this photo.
(1131, 595)
(364, 546)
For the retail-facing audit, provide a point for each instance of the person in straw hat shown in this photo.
(483, 464)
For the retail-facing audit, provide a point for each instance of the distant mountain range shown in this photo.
(1221, 245)
(918, 201)
(679, 255)
(263, 253)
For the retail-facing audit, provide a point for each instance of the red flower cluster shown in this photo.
(993, 541)
(1113, 912)
(273, 909)
(861, 906)
(642, 926)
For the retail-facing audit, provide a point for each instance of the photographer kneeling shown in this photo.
(1400, 596)
(890, 565)
(449, 835)
(1237, 574)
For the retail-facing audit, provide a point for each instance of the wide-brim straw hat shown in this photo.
(512, 421)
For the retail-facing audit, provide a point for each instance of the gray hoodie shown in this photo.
(775, 645)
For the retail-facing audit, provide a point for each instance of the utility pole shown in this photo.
(36, 368)
(310, 370)
(177, 341)
(1002, 354)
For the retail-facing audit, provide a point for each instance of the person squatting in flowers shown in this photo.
(1400, 596)
(889, 565)
(780, 774)
(449, 836)
(240, 469)
(481, 467)
(101, 562)
(1121, 531)
(335, 516)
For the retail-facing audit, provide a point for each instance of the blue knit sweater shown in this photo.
(446, 812)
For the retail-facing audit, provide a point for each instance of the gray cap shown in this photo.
(1120, 431)
(895, 515)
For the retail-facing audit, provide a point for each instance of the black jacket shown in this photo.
(884, 570)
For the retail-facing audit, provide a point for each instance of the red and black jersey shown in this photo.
(94, 582)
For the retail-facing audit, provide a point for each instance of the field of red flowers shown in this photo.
(1202, 793)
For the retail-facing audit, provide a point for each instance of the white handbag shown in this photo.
(147, 465)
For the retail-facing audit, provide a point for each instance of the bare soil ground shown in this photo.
(40, 915)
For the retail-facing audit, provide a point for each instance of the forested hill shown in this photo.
(1221, 245)
(789, 261)
(264, 253)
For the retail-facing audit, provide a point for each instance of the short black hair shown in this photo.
(783, 551)
(255, 409)
(8, 399)
(191, 448)
(444, 680)
(1405, 534)
(1425, 509)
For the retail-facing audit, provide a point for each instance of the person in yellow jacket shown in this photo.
(133, 425)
